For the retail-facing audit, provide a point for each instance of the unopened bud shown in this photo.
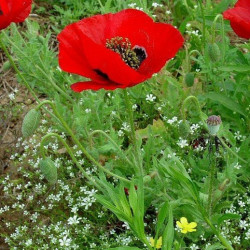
(49, 170)
(189, 79)
(30, 122)
(214, 52)
(213, 124)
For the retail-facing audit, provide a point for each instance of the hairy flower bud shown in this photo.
(214, 52)
(213, 124)
(30, 122)
(189, 79)
(49, 170)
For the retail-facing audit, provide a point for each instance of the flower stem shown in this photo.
(212, 163)
(133, 135)
(46, 137)
(203, 24)
(16, 69)
(85, 152)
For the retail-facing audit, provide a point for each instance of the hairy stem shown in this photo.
(85, 152)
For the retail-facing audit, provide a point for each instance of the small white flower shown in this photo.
(12, 96)
(65, 242)
(132, 5)
(73, 220)
(182, 143)
(87, 110)
(134, 107)
(150, 98)
(168, 12)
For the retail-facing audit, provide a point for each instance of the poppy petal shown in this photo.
(20, 10)
(80, 86)
(240, 21)
(243, 3)
(165, 43)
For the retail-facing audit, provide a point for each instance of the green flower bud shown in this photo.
(49, 170)
(213, 124)
(6, 66)
(214, 52)
(189, 79)
(30, 122)
(146, 179)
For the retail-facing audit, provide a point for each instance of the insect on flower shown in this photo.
(15, 11)
(239, 17)
(116, 50)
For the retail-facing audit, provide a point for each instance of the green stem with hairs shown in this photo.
(85, 152)
(16, 69)
(203, 24)
(42, 150)
(20, 74)
(230, 150)
(132, 127)
(212, 164)
(222, 34)
(197, 105)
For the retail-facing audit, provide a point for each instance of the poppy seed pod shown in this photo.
(213, 124)
(31, 122)
(49, 170)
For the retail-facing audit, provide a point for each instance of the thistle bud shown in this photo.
(213, 124)
(30, 122)
(189, 79)
(49, 170)
(214, 52)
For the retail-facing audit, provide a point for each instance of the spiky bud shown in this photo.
(49, 170)
(213, 124)
(30, 122)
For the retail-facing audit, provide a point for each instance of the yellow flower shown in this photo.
(158, 243)
(185, 226)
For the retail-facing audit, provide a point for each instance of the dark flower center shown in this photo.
(133, 57)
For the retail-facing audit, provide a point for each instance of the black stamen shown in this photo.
(100, 73)
(140, 53)
(132, 57)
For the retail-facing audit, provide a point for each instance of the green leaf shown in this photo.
(226, 101)
(161, 217)
(228, 217)
(237, 68)
(168, 234)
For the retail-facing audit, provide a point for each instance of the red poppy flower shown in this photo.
(13, 11)
(116, 50)
(239, 17)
